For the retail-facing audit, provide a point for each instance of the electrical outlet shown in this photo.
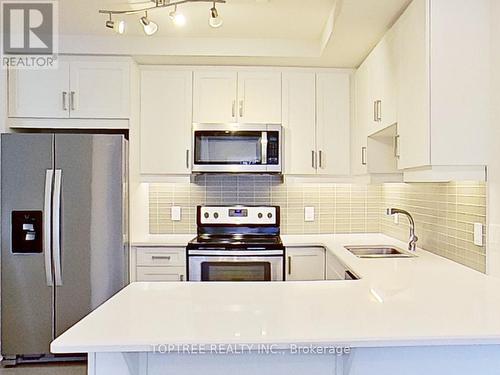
(176, 213)
(308, 213)
(478, 234)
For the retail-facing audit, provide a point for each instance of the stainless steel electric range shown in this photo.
(236, 243)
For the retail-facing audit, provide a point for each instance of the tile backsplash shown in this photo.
(444, 212)
(339, 208)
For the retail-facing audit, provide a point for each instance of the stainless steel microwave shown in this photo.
(237, 148)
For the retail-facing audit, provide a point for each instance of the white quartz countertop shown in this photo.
(426, 300)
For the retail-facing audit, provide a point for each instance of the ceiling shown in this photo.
(333, 33)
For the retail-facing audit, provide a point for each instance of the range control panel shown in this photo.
(238, 215)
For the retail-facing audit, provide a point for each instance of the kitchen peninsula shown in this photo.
(425, 314)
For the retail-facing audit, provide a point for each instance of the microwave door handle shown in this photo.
(264, 147)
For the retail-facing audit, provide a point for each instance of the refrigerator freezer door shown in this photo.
(26, 297)
(91, 244)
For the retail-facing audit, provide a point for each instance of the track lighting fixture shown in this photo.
(116, 26)
(177, 18)
(149, 26)
(215, 20)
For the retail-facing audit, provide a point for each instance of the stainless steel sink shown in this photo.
(379, 251)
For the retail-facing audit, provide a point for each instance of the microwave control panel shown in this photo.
(273, 148)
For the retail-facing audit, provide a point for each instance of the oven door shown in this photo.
(230, 265)
(236, 148)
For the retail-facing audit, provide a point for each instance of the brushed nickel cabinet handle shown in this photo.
(379, 111)
(375, 107)
(187, 159)
(363, 155)
(396, 146)
(313, 159)
(241, 108)
(233, 109)
(320, 158)
(64, 101)
(72, 100)
(289, 265)
(160, 257)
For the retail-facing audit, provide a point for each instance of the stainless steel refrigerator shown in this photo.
(64, 235)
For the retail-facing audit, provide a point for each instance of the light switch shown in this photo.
(176, 213)
(308, 213)
(478, 234)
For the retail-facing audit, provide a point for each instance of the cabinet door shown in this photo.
(383, 82)
(100, 89)
(214, 97)
(161, 257)
(299, 122)
(359, 135)
(259, 97)
(305, 264)
(166, 107)
(333, 123)
(39, 93)
(161, 274)
(413, 87)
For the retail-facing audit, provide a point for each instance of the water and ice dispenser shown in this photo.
(27, 232)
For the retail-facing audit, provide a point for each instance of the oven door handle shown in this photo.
(234, 253)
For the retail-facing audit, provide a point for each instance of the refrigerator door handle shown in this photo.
(47, 238)
(56, 227)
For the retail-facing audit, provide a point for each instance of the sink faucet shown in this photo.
(412, 245)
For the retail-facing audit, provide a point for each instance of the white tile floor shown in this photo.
(52, 369)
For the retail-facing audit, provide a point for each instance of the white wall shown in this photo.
(494, 153)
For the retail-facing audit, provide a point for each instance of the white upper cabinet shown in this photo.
(90, 88)
(259, 97)
(165, 130)
(299, 122)
(413, 87)
(316, 122)
(380, 82)
(99, 89)
(39, 93)
(362, 120)
(215, 97)
(333, 109)
(443, 80)
(230, 96)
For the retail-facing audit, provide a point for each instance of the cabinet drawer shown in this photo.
(161, 274)
(161, 257)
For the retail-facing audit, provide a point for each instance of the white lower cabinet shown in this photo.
(161, 274)
(158, 264)
(305, 263)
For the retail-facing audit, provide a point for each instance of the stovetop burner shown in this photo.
(237, 241)
(237, 227)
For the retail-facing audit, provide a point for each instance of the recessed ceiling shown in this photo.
(274, 32)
